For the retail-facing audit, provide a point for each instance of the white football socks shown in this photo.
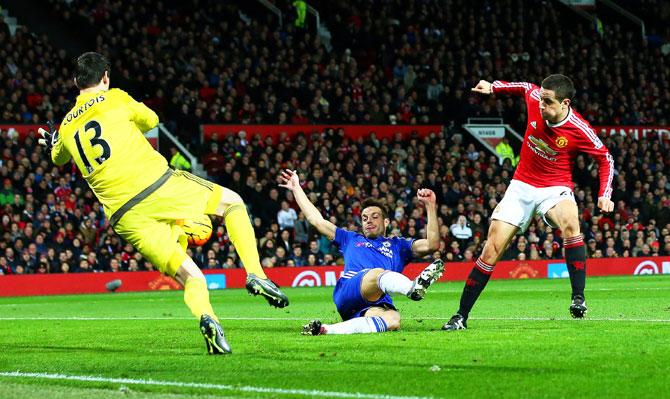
(394, 283)
(358, 325)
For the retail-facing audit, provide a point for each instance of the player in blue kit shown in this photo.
(372, 264)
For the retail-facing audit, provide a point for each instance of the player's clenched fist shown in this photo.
(483, 87)
(426, 196)
(605, 204)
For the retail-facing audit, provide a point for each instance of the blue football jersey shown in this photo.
(388, 253)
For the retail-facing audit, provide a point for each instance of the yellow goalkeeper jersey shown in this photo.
(103, 133)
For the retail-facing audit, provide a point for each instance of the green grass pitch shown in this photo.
(521, 343)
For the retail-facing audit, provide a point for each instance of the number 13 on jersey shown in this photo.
(89, 149)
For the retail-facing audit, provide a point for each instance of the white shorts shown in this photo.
(523, 201)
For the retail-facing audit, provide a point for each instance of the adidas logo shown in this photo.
(534, 124)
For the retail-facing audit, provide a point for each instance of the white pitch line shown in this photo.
(311, 318)
(439, 288)
(222, 387)
(77, 318)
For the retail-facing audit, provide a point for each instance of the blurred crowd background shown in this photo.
(387, 62)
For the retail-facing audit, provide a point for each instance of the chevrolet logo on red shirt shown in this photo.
(540, 145)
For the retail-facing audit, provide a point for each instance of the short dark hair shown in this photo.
(368, 202)
(89, 69)
(561, 85)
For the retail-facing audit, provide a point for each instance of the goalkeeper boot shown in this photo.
(214, 338)
(578, 307)
(314, 327)
(457, 322)
(266, 288)
(428, 276)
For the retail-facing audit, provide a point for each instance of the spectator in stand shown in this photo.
(315, 251)
(285, 240)
(301, 229)
(280, 257)
(505, 151)
(461, 231)
(296, 256)
(178, 161)
(286, 217)
(269, 211)
(213, 162)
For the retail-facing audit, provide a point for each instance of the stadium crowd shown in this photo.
(399, 65)
(391, 62)
(51, 222)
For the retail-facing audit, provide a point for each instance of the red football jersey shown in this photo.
(548, 149)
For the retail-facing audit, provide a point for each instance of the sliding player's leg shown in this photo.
(363, 300)
(378, 282)
(375, 320)
(353, 298)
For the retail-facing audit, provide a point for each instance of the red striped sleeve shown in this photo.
(593, 146)
(511, 88)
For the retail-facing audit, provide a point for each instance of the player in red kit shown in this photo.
(542, 185)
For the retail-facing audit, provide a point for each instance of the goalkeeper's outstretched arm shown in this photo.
(51, 140)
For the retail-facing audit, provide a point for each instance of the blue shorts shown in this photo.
(349, 301)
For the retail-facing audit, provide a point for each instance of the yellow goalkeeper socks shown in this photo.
(196, 297)
(242, 235)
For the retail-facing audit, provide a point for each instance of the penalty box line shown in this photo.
(198, 385)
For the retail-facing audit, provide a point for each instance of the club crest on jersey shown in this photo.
(534, 124)
(386, 250)
(561, 142)
(541, 148)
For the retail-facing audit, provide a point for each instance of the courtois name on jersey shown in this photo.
(77, 112)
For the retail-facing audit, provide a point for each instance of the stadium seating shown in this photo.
(399, 62)
(49, 215)
(402, 64)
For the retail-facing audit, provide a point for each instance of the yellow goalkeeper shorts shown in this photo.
(147, 221)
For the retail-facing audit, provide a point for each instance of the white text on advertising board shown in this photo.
(310, 278)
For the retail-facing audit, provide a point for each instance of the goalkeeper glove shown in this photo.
(50, 137)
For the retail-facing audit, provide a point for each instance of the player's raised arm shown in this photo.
(144, 117)
(431, 243)
(502, 87)
(289, 179)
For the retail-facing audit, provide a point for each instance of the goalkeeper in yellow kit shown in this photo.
(143, 198)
